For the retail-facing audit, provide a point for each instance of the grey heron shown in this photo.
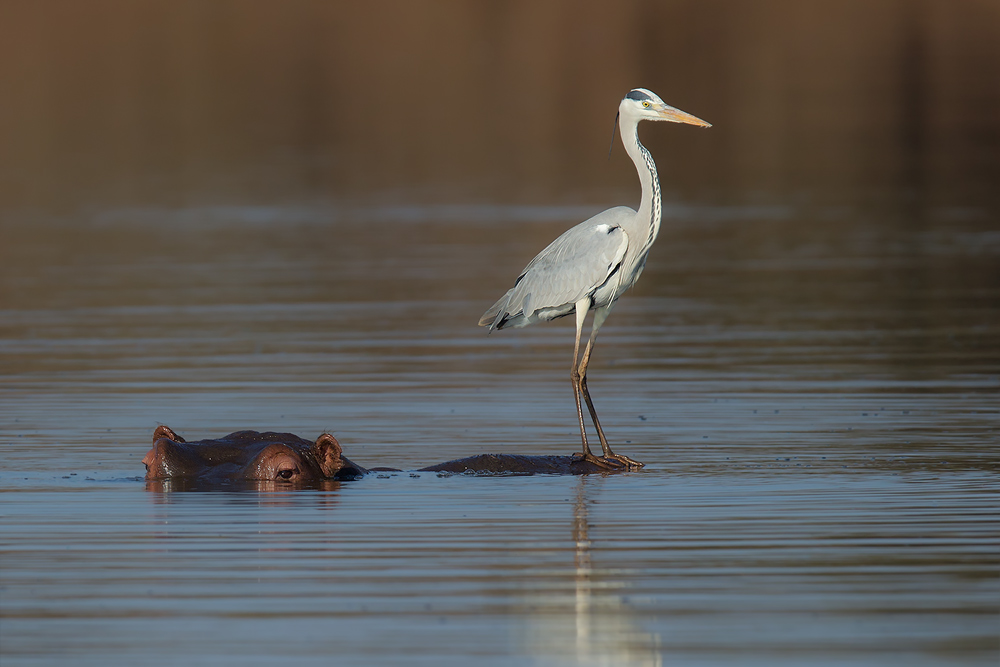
(592, 264)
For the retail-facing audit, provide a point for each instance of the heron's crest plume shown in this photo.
(613, 131)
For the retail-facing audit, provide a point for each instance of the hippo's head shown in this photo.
(248, 455)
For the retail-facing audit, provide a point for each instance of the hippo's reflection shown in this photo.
(171, 485)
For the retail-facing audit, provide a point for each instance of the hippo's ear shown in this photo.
(327, 451)
(163, 431)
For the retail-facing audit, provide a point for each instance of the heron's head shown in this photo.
(643, 104)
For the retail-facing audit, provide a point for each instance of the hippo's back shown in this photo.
(517, 464)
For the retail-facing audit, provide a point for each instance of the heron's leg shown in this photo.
(582, 307)
(600, 315)
(608, 461)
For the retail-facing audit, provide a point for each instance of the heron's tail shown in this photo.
(493, 318)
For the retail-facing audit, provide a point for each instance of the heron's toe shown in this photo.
(621, 461)
(599, 461)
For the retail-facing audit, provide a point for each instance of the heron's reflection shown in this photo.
(602, 628)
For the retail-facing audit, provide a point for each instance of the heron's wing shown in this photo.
(573, 266)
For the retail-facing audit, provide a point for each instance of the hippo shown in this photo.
(252, 456)
(248, 456)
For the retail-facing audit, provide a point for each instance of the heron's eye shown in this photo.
(645, 105)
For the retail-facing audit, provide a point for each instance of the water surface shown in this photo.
(821, 447)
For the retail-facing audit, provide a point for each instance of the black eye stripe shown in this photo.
(639, 96)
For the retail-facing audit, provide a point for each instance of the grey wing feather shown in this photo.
(491, 314)
(570, 268)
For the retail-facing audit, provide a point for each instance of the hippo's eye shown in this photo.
(287, 473)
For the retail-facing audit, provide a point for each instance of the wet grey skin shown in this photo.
(248, 456)
(285, 458)
(591, 265)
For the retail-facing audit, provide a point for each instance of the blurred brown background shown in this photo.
(136, 102)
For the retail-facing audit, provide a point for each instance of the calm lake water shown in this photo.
(821, 439)
(290, 216)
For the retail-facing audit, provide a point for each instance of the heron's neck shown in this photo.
(649, 208)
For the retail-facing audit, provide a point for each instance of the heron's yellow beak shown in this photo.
(678, 116)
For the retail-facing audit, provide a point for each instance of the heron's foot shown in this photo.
(600, 462)
(612, 462)
(624, 461)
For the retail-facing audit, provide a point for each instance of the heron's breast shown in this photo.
(621, 280)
